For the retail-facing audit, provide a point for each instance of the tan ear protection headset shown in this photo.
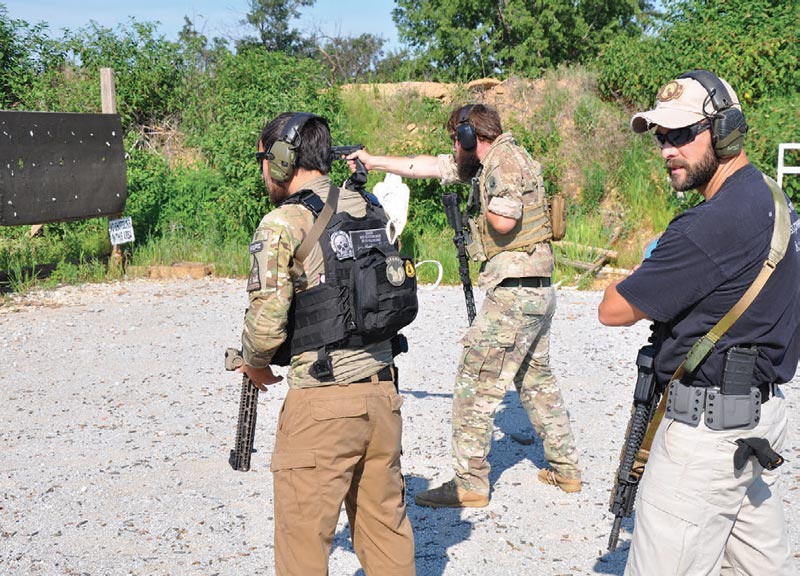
(283, 151)
(728, 124)
(465, 132)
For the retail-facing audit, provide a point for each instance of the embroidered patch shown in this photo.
(410, 270)
(491, 184)
(256, 247)
(670, 91)
(254, 280)
(395, 272)
(365, 240)
(341, 245)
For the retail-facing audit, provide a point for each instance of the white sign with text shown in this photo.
(120, 231)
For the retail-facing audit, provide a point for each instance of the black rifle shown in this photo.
(359, 178)
(460, 239)
(633, 458)
(248, 406)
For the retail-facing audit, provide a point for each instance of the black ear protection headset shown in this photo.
(465, 132)
(283, 151)
(728, 124)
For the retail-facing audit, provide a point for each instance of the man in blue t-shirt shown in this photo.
(708, 501)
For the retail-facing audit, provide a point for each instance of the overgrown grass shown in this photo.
(229, 258)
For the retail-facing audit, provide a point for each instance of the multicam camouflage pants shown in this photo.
(509, 341)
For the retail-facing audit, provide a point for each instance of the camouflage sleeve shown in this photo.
(448, 168)
(270, 290)
(505, 183)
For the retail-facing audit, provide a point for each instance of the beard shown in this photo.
(696, 175)
(468, 164)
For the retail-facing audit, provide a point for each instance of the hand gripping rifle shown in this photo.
(248, 405)
(460, 239)
(633, 456)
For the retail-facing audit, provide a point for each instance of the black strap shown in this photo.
(530, 282)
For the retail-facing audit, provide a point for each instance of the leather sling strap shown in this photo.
(781, 231)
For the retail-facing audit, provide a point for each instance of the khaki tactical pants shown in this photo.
(339, 444)
(698, 516)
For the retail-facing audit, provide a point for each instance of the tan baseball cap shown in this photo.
(681, 102)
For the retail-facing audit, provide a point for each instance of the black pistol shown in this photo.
(359, 177)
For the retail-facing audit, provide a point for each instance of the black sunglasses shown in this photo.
(681, 136)
(261, 156)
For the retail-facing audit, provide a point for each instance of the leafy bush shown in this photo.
(753, 44)
(225, 117)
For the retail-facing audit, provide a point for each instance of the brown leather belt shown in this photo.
(530, 282)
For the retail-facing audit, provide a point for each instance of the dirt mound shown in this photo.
(514, 96)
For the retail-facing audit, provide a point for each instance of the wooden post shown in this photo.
(108, 103)
(108, 92)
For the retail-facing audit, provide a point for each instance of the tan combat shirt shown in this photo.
(508, 179)
(271, 289)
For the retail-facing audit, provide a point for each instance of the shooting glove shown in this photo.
(758, 447)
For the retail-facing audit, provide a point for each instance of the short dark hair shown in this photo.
(314, 151)
(484, 119)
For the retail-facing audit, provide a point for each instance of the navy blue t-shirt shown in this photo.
(703, 263)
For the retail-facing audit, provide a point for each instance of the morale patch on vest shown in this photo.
(341, 245)
(410, 270)
(365, 240)
(256, 247)
(395, 271)
(254, 280)
(670, 91)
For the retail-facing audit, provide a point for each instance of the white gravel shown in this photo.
(117, 418)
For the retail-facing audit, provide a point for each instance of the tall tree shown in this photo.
(272, 21)
(465, 39)
(351, 58)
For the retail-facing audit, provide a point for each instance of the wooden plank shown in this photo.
(108, 93)
(611, 254)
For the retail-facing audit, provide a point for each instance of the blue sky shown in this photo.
(211, 17)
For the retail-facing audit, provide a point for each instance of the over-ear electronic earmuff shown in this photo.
(728, 124)
(465, 132)
(283, 151)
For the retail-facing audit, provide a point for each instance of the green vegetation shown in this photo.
(192, 111)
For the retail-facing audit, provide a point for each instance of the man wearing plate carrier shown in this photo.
(328, 293)
(508, 342)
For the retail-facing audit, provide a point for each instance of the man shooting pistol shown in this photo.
(508, 340)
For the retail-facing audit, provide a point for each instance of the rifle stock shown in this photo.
(239, 458)
(460, 239)
(633, 457)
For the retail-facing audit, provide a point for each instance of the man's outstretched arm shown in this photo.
(422, 166)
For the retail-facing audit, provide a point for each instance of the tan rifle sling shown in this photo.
(702, 348)
(314, 234)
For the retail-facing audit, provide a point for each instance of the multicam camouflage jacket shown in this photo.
(508, 180)
(271, 289)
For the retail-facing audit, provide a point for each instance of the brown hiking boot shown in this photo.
(449, 495)
(548, 476)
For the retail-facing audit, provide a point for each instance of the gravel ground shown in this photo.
(117, 418)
